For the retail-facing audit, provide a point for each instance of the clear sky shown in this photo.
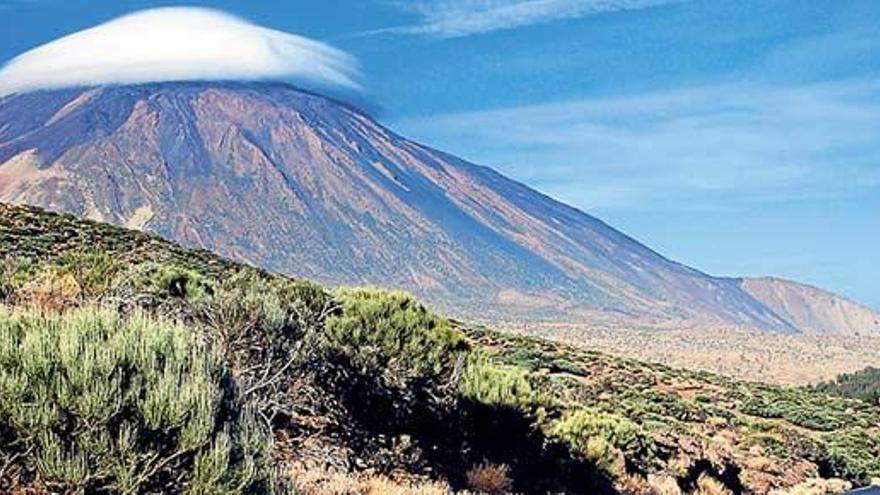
(740, 137)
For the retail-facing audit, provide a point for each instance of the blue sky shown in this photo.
(740, 137)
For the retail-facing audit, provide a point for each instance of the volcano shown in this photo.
(307, 186)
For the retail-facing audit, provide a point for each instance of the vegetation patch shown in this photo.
(608, 439)
(863, 384)
(91, 401)
(129, 364)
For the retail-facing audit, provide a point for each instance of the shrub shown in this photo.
(259, 323)
(15, 272)
(93, 271)
(379, 330)
(490, 478)
(806, 409)
(591, 432)
(91, 401)
(50, 290)
(535, 360)
(640, 403)
(163, 282)
(854, 455)
(495, 385)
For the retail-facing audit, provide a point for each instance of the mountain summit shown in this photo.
(307, 186)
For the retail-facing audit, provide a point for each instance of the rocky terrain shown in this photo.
(306, 186)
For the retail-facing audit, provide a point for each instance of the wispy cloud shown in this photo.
(722, 146)
(456, 18)
(178, 43)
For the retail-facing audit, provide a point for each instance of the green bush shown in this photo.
(379, 330)
(589, 431)
(863, 384)
(163, 282)
(809, 410)
(91, 401)
(495, 385)
(15, 272)
(535, 360)
(642, 403)
(93, 271)
(854, 454)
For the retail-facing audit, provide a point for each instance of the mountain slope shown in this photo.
(813, 310)
(306, 186)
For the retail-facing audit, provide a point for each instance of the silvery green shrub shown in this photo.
(91, 401)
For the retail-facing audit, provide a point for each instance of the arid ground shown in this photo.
(776, 358)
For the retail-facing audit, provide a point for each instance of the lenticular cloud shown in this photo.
(174, 44)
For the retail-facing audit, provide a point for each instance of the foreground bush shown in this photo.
(94, 402)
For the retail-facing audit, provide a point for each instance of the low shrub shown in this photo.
(93, 271)
(379, 330)
(853, 455)
(809, 410)
(91, 401)
(163, 282)
(642, 403)
(260, 325)
(597, 435)
(535, 360)
(496, 385)
(15, 272)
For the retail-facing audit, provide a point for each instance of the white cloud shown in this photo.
(455, 18)
(722, 146)
(178, 43)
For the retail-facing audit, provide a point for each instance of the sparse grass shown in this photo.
(316, 481)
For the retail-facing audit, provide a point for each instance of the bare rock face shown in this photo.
(306, 186)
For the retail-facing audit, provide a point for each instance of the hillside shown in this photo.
(306, 186)
(362, 389)
(813, 310)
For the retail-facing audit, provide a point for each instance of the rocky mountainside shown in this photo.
(813, 310)
(307, 186)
